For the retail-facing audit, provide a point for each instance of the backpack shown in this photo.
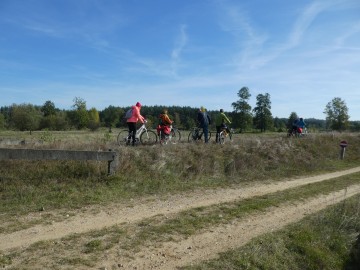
(128, 114)
(164, 129)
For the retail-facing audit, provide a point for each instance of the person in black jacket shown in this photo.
(204, 121)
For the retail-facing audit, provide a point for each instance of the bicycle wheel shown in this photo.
(221, 138)
(175, 135)
(148, 137)
(193, 136)
(123, 137)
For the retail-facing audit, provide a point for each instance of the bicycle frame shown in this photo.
(196, 134)
(140, 130)
(224, 133)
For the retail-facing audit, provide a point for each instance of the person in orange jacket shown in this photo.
(165, 123)
(135, 117)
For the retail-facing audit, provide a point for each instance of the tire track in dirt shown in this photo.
(208, 245)
(145, 208)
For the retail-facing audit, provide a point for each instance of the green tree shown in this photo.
(94, 119)
(50, 118)
(79, 116)
(79, 103)
(355, 126)
(293, 116)
(2, 121)
(6, 112)
(111, 116)
(48, 108)
(25, 117)
(337, 117)
(263, 118)
(55, 122)
(242, 109)
(280, 124)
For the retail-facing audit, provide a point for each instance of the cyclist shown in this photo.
(301, 125)
(165, 123)
(220, 121)
(204, 120)
(135, 117)
(295, 126)
(298, 126)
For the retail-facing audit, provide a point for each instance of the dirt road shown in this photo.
(195, 248)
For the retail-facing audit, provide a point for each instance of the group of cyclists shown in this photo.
(204, 120)
(164, 127)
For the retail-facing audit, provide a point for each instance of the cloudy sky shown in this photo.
(192, 53)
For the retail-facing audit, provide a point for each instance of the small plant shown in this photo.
(5, 260)
(93, 246)
(46, 136)
(107, 137)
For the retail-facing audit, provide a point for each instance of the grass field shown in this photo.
(32, 186)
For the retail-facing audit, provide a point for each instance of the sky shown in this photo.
(193, 53)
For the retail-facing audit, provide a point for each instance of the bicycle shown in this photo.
(142, 135)
(224, 134)
(196, 134)
(174, 135)
(296, 132)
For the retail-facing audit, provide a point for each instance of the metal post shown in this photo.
(343, 145)
(342, 152)
(112, 164)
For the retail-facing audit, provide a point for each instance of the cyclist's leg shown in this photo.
(218, 129)
(163, 134)
(206, 133)
(132, 131)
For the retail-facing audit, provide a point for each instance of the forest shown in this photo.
(29, 117)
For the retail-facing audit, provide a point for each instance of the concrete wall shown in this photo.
(52, 154)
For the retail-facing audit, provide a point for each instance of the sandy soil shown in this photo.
(199, 247)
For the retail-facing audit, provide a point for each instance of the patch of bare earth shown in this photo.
(196, 248)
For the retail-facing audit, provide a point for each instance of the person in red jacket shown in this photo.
(135, 117)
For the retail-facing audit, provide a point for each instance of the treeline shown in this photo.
(47, 117)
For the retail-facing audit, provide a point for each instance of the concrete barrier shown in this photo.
(51, 154)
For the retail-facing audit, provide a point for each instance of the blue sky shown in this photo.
(186, 53)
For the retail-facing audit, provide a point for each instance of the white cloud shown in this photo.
(180, 43)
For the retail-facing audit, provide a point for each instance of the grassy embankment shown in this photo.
(27, 186)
